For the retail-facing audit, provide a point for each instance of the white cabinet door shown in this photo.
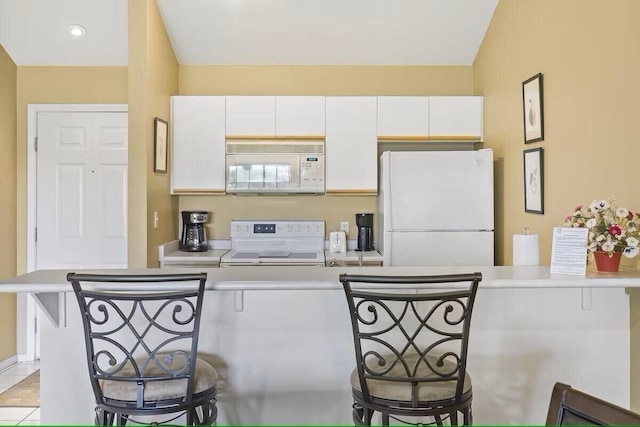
(251, 116)
(351, 145)
(300, 116)
(455, 118)
(403, 116)
(198, 151)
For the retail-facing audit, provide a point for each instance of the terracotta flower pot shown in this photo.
(604, 262)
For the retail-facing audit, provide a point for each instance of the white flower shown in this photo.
(631, 252)
(622, 212)
(611, 229)
(632, 242)
(598, 206)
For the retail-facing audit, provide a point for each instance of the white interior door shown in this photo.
(81, 212)
(80, 197)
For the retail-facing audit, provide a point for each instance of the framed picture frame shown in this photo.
(532, 102)
(534, 180)
(160, 135)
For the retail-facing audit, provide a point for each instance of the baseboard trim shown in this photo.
(7, 363)
(24, 358)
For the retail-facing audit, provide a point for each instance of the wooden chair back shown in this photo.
(572, 407)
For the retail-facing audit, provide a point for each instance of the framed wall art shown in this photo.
(160, 135)
(534, 181)
(532, 109)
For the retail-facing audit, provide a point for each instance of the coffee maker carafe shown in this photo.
(194, 235)
(364, 222)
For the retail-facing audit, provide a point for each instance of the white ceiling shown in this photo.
(260, 32)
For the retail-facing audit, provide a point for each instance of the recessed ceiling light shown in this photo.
(77, 30)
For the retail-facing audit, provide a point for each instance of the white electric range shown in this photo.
(275, 243)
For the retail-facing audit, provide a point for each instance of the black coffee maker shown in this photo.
(194, 235)
(364, 222)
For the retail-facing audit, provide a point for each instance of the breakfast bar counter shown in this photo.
(281, 339)
(314, 278)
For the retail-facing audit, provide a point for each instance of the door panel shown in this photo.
(351, 144)
(441, 190)
(81, 190)
(69, 203)
(439, 249)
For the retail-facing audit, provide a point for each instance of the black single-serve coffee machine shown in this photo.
(364, 222)
(194, 235)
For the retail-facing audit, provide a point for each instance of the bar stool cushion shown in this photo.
(401, 391)
(206, 377)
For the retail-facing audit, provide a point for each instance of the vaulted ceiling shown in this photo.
(260, 32)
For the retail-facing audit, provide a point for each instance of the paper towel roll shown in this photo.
(526, 249)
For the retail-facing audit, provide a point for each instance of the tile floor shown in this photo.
(9, 377)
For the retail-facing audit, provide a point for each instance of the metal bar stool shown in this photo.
(411, 348)
(142, 347)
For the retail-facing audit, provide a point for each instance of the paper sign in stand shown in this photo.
(569, 250)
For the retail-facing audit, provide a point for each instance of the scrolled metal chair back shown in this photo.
(135, 338)
(402, 336)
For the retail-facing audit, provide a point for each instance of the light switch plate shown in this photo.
(344, 226)
(156, 219)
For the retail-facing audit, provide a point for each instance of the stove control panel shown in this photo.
(264, 228)
(270, 228)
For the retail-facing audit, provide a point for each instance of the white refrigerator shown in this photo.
(435, 208)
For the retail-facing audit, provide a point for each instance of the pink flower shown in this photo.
(577, 208)
(615, 230)
(567, 218)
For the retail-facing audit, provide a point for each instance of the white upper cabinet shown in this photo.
(455, 118)
(198, 144)
(351, 145)
(300, 116)
(251, 116)
(403, 117)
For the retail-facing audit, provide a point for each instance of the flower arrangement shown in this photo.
(611, 229)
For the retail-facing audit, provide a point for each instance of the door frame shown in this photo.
(26, 306)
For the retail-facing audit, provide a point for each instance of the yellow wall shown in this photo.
(8, 79)
(153, 78)
(589, 54)
(324, 80)
(308, 80)
(57, 85)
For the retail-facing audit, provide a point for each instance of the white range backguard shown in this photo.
(275, 242)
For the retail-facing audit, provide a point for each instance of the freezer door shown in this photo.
(439, 190)
(438, 249)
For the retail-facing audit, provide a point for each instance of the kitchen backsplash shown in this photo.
(331, 208)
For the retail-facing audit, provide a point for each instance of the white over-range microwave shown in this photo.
(273, 166)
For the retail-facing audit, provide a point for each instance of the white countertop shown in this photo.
(212, 255)
(301, 278)
(353, 256)
(170, 252)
